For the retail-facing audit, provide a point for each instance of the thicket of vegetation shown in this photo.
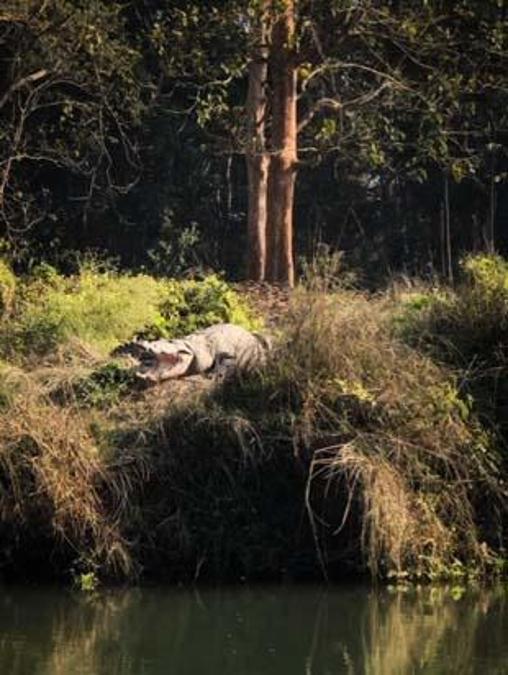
(103, 309)
(466, 329)
(352, 450)
(376, 436)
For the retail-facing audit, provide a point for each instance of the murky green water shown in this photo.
(261, 631)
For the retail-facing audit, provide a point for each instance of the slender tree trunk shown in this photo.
(256, 155)
(282, 172)
(442, 239)
(491, 244)
(448, 232)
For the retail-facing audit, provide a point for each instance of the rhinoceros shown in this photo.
(221, 347)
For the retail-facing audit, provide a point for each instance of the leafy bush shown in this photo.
(104, 387)
(7, 288)
(45, 275)
(104, 308)
(487, 274)
(175, 252)
(467, 328)
(99, 308)
(468, 322)
(410, 306)
(187, 306)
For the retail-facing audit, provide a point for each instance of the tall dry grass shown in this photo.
(57, 492)
(388, 426)
(349, 451)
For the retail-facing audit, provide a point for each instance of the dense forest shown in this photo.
(181, 134)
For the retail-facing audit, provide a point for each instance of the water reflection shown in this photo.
(257, 631)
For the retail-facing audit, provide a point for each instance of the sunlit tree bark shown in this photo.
(282, 172)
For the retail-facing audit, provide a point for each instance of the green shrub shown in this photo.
(102, 309)
(187, 306)
(46, 275)
(467, 328)
(468, 322)
(487, 274)
(7, 288)
(104, 387)
(86, 582)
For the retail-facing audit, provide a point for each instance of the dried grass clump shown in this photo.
(367, 434)
(56, 487)
(387, 428)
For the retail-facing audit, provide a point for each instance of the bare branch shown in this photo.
(28, 79)
(331, 66)
(337, 106)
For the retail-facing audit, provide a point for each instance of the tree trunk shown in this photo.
(282, 171)
(491, 244)
(256, 155)
(448, 232)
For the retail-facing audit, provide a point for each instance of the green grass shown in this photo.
(103, 308)
(7, 288)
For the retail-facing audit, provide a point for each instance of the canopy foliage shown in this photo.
(123, 128)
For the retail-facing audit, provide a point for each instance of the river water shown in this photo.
(256, 631)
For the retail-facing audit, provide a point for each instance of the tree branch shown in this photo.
(28, 79)
(336, 106)
(347, 65)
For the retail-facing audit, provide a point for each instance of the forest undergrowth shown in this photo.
(371, 442)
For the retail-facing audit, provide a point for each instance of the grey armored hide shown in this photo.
(220, 346)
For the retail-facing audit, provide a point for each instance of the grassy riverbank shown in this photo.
(372, 441)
